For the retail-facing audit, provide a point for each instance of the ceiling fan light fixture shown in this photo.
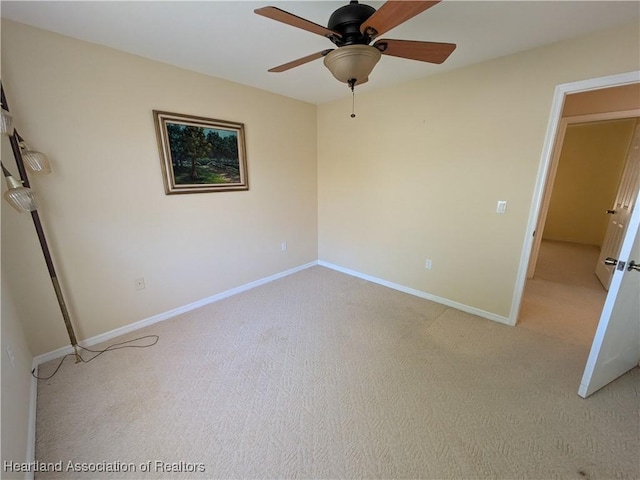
(352, 62)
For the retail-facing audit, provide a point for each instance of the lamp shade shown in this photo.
(6, 122)
(352, 62)
(36, 161)
(21, 198)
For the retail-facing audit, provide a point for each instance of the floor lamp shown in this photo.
(20, 196)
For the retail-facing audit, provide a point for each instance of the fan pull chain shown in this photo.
(352, 83)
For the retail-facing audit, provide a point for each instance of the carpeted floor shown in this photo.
(564, 299)
(322, 375)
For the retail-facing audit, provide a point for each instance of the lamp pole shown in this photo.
(15, 146)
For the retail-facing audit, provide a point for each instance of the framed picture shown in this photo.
(200, 154)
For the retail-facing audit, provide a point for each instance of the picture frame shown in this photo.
(200, 154)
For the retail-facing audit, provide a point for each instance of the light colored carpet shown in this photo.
(322, 375)
(564, 299)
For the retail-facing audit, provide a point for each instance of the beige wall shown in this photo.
(416, 175)
(586, 181)
(89, 108)
(418, 172)
(16, 385)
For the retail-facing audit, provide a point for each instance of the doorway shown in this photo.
(599, 96)
(563, 298)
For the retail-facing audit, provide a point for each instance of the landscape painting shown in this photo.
(200, 154)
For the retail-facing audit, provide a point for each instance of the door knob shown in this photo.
(633, 266)
(610, 261)
(610, 212)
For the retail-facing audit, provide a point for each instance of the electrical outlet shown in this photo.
(427, 264)
(11, 356)
(283, 246)
(139, 283)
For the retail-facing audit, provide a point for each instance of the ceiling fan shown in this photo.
(352, 28)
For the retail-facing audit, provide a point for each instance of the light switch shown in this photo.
(502, 206)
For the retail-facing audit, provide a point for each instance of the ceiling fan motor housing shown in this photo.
(347, 20)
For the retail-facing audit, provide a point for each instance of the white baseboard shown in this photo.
(40, 359)
(418, 293)
(103, 337)
(214, 298)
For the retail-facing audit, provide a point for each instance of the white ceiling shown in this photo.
(226, 39)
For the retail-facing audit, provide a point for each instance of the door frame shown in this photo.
(544, 169)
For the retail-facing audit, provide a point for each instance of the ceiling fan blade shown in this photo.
(432, 52)
(393, 13)
(275, 13)
(300, 61)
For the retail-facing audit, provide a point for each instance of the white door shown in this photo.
(616, 346)
(621, 210)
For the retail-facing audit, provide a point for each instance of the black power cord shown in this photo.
(115, 346)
